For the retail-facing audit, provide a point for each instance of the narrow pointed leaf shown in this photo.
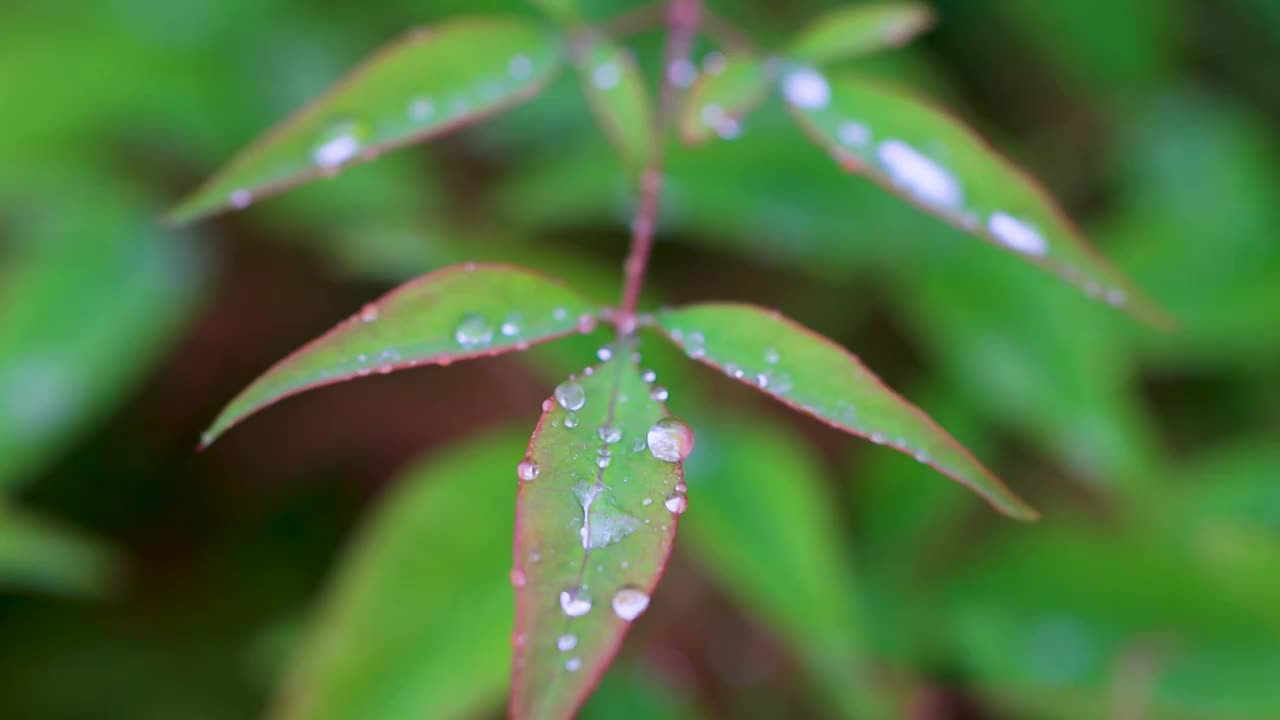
(431, 81)
(616, 91)
(933, 161)
(814, 375)
(416, 623)
(456, 313)
(591, 541)
(858, 30)
(41, 555)
(720, 100)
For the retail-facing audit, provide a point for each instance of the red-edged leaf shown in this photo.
(858, 30)
(459, 312)
(719, 100)
(432, 81)
(930, 159)
(595, 519)
(619, 99)
(812, 374)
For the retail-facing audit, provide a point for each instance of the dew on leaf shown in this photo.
(527, 470)
(571, 421)
(677, 503)
(659, 393)
(421, 109)
(605, 354)
(574, 602)
(682, 72)
(473, 331)
(649, 376)
(771, 356)
(647, 502)
(566, 642)
(338, 148)
(560, 313)
(605, 76)
(509, 328)
(610, 434)
(1016, 234)
(570, 395)
(241, 199)
(918, 175)
(573, 664)
(807, 89)
(369, 313)
(670, 440)
(518, 578)
(520, 67)
(630, 602)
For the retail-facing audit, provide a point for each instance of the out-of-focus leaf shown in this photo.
(417, 621)
(434, 80)
(456, 313)
(90, 294)
(39, 555)
(812, 374)
(617, 94)
(934, 162)
(596, 517)
(718, 101)
(564, 11)
(857, 30)
(1066, 622)
(769, 536)
(628, 692)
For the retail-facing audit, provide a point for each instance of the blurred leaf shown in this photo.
(596, 517)
(90, 296)
(616, 90)
(416, 622)
(38, 555)
(432, 81)
(629, 692)
(763, 526)
(718, 101)
(457, 313)
(857, 30)
(812, 374)
(565, 11)
(1081, 622)
(934, 162)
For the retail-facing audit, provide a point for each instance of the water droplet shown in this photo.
(1016, 234)
(509, 328)
(681, 487)
(567, 642)
(771, 356)
(629, 602)
(807, 89)
(602, 459)
(605, 76)
(421, 109)
(548, 405)
(734, 371)
(573, 664)
(670, 440)
(605, 354)
(586, 323)
(659, 393)
(520, 67)
(677, 503)
(877, 438)
(560, 313)
(571, 421)
(922, 456)
(528, 470)
(712, 115)
(241, 199)
(854, 134)
(682, 72)
(647, 502)
(610, 434)
(649, 376)
(473, 331)
(762, 380)
(920, 176)
(339, 147)
(517, 578)
(570, 395)
(369, 313)
(574, 602)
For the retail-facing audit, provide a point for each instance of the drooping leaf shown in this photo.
(432, 81)
(936, 163)
(857, 30)
(816, 376)
(616, 91)
(456, 313)
(39, 555)
(595, 520)
(416, 622)
(718, 101)
(772, 540)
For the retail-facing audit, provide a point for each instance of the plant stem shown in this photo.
(682, 24)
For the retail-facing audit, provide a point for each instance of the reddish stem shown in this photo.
(682, 24)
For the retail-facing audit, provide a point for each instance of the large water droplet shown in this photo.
(339, 146)
(670, 440)
(649, 376)
(629, 602)
(854, 134)
(566, 642)
(807, 89)
(919, 175)
(570, 395)
(473, 331)
(527, 470)
(605, 354)
(605, 76)
(1016, 234)
(574, 602)
(677, 503)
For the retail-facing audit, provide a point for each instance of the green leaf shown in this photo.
(430, 82)
(456, 313)
(416, 622)
(616, 91)
(630, 692)
(40, 555)
(774, 543)
(718, 101)
(595, 519)
(936, 163)
(857, 30)
(814, 375)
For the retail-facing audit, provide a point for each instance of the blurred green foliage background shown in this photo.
(317, 549)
